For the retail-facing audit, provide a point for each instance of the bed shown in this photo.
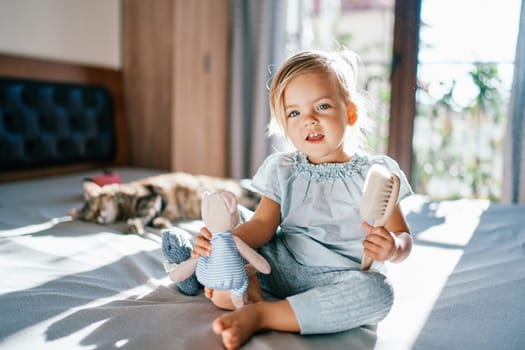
(70, 284)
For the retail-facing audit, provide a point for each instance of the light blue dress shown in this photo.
(316, 253)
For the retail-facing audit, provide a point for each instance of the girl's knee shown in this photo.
(373, 291)
(384, 294)
(382, 282)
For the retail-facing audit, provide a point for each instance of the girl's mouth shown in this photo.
(313, 137)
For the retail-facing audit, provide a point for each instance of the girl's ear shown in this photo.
(351, 113)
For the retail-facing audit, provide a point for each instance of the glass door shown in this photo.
(465, 67)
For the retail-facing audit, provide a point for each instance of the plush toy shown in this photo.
(224, 269)
(176, 248)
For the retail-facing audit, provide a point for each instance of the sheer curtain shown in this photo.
(258, 48)
(514, 163)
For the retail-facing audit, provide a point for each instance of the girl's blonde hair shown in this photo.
(343, 65)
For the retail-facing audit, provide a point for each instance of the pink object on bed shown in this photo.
(106, 178)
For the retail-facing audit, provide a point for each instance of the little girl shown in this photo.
(307, 224)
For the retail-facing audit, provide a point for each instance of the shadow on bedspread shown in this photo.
(482, 304)
(50, 299)
(162, 319)
(59, 301)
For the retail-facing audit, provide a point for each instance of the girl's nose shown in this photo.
(310, 120)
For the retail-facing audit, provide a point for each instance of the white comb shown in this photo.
(380, 194)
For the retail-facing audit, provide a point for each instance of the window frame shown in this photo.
(403, 82)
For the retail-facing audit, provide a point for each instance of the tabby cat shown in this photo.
(158, 201)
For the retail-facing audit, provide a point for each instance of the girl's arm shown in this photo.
(262, 226)
(392, 242)
(254, 232)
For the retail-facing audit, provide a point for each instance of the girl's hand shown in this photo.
(379, 244)
(202, 245)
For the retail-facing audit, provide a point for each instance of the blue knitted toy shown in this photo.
(176, 248)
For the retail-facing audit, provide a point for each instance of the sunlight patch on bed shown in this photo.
(440, 247)
(35, 337)
(461, 219)
(120, 343)
(44, 333)
(53, 259)
(31, 229)
(409, 313)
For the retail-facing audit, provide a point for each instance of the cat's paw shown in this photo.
(135, 226)
(161, 222)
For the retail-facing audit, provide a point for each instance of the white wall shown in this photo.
(77, 31)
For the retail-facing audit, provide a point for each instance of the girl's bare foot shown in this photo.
(238, 326)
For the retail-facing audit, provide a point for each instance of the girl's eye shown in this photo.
(323, 106)
(293, 114)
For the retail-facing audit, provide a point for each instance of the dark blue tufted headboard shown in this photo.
(58, 117)
(44, 123)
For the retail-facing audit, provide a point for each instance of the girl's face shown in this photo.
(316, 117)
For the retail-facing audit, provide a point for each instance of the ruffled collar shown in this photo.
(327, 171)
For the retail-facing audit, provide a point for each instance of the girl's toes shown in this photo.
(220, 324)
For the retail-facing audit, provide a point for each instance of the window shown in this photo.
(456, 106)
(465, 66)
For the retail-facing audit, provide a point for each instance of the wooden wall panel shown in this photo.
(175, 73)
(147, 65)
(200, 78)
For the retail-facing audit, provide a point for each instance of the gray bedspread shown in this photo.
(69, 284)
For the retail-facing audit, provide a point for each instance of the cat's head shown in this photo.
(100, 204)
(110, 203)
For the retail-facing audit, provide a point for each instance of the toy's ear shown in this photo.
(91, 189)
(230, 200)
(204, 204)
